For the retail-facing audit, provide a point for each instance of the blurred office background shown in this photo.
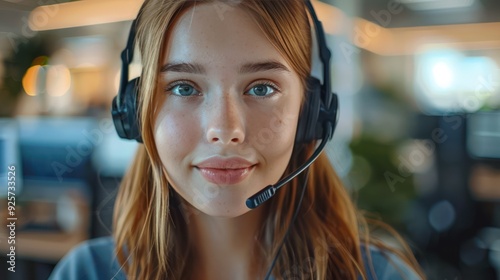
(418, 141)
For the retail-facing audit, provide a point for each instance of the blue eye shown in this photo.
(182, 89)
(263, 90)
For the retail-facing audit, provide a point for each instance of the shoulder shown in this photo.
(91, 260)
(384, 265)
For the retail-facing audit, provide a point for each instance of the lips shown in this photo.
(225, 171)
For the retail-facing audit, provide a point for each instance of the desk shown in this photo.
(49, 246)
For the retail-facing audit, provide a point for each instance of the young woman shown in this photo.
(221, 92)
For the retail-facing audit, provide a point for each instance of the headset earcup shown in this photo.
(308, 126)
(126, 118)
(118, 117)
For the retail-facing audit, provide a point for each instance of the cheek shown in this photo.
(176, 134)
(273, 133)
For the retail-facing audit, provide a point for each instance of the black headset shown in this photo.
(318, 117)
(317, 121)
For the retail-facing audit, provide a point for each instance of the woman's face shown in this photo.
(229, 109)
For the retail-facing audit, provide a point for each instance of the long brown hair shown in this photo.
(149, 219)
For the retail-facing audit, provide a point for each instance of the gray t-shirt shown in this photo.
(95, 260)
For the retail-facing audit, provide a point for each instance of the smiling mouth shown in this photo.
(225, 176)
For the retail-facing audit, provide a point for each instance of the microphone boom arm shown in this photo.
(265, 194)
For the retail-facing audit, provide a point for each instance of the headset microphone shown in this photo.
(269, 191)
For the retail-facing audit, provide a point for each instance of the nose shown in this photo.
(225, 121)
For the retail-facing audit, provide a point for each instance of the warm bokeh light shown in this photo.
(58, 80)
(55, 80)
(31, 80)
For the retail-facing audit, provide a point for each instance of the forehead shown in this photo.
(214, 34)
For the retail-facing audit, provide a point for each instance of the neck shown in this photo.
(227, 248)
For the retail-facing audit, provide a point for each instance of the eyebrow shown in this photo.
(195, 68)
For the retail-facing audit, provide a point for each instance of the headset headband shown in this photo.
(127, 56)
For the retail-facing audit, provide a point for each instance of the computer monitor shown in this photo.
(9, 157)
(55, 152)
(483, 135)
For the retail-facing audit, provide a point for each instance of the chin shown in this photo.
(224, 210)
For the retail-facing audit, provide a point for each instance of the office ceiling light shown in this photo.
(423, 5)
(366, 35)
(92, 12)
(82, 13)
